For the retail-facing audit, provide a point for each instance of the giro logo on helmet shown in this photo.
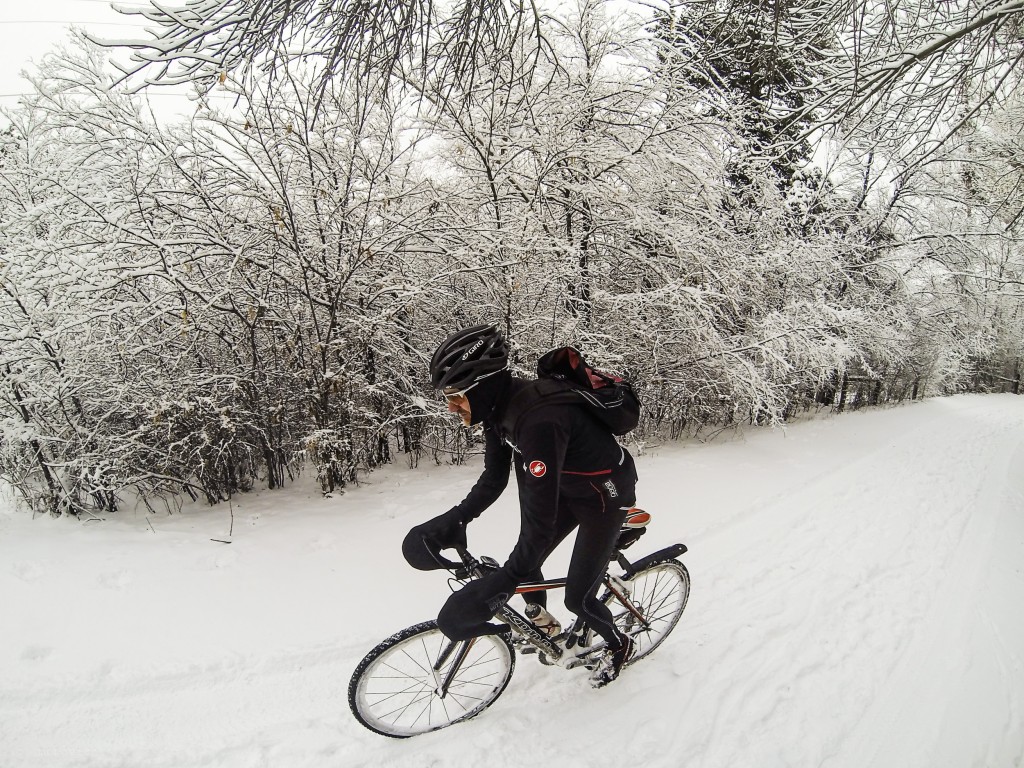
(473, 349)
(538, 468)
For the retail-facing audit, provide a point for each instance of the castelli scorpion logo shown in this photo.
(538, 468)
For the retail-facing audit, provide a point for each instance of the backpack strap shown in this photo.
(536, 393)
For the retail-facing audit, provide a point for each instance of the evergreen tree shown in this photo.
(752, 65)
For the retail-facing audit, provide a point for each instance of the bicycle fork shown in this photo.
(443, 683)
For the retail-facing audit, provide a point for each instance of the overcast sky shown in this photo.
(31, 28)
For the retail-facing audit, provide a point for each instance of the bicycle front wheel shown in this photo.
(418, 680)
(659, 593)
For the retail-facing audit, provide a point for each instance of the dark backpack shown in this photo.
(563, 376)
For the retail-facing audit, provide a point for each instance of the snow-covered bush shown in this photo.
(203, 307)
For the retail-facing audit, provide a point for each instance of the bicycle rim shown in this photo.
(659, 592)
(394, 690)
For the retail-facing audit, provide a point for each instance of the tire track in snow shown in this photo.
(843, 576)
(210, 714)
(941, 683)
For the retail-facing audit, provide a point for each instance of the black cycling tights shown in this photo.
(599, 524)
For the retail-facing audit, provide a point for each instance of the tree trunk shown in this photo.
(842, 394)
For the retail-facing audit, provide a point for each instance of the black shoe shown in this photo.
(613, 662)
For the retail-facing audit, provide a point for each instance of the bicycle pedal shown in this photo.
(576, 640)
(579, 661)
(527, 650)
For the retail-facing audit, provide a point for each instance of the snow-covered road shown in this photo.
(858, 585)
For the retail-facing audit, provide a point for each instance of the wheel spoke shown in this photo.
(427, 693)
(456, 696)
(392, 694)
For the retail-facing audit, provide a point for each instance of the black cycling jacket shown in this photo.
(557, 450)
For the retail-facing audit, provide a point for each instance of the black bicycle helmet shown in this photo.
(467, 356)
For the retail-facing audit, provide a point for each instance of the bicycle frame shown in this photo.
(526, 629)
(395, 690)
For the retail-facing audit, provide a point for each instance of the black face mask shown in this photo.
(485, 396)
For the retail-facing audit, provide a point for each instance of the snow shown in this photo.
(857, 592)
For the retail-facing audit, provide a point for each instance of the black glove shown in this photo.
(424, 542)
(448, 530)
(467, 612)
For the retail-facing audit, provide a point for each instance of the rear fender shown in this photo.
(662, 554)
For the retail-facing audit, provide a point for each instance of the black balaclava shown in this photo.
(485, 397)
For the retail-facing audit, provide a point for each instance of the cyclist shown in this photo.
(571, 473)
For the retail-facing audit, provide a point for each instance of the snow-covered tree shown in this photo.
(205, 306)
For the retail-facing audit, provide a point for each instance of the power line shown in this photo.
(129, 8)
(147, 95)
(82, 23)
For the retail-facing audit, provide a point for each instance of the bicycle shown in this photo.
(417, 680)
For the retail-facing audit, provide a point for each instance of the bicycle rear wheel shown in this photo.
(395, 689)
(659, 592)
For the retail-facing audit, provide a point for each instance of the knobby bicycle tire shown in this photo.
(660, 591)
(393, 690)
